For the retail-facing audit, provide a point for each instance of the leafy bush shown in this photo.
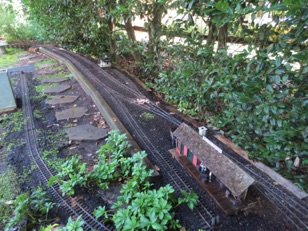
(257, 100)
(8, 191)
(149, 209)
(71, 225)
(13, 24)
(71, 174)
(143, 208)
(30, 210)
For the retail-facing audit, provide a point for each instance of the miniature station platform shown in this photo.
(225, 182)
(226, 204)
(7, 98)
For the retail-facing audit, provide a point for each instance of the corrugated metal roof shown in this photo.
(231, 175)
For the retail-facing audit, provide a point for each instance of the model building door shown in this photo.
(190, 155)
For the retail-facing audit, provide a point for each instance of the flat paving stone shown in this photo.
(54, 80)
(62, 99)
(57, 89)
(48, 72)
(7, 99)
(71, 113)
(35, 60)
(47, 65)
(28, 56)
(86, 132)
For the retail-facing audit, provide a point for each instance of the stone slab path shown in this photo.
(71, 113)
(48, 72)
(54, 80)
(57, 89)
(62, 99)
(86, 132)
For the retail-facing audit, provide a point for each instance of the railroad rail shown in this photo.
(73, 206)
(294, 210)
(119, 94)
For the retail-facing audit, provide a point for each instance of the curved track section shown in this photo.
(128, 104)
(294, 210)
(73, 207)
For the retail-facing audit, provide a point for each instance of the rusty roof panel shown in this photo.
(230, 174)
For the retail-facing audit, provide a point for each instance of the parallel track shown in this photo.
(74, 207)
(122, 95)
(294, 210)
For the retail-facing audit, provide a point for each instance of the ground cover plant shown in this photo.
(8, 191)
(11, 58)
(144, 208)
(30, 209)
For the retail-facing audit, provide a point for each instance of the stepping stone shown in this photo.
(61, 99)
(28, 56)
(48, 72)
(57, 89)
(54, 80)
(35, 60)
(47, 65)
(86, 132)
(75, 112)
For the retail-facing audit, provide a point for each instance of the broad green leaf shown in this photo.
(222, 6)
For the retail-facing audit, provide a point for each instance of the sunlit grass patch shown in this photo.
(148, 115)
(11, 58)
(8, 191)
(46, 61)
(58, 75)
(40, 88)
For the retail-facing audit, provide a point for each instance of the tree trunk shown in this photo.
(154, 32)
(112, 45)
(131, 35)
(211, 35)
(222, 36)
(130, 29)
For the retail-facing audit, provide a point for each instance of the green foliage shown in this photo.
(73, 225)
(114, 164)
(144, 208)
(47, 61)
(8, 191)
(14, 25)
(258, 95)
(30, 209)
(100, 212)
(61, 18)
(149, 209)
(14, 121)
(71, 174)
(148, 115)
(41, 88)
(10, 58)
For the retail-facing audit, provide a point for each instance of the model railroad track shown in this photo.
(74, 207)
(294, 210)
(118, 91)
